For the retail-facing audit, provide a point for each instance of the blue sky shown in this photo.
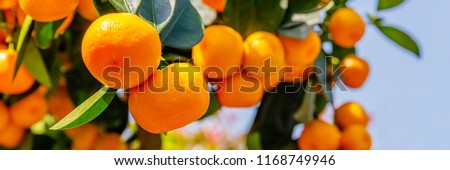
(406, 97)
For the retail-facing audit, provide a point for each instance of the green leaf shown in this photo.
(129, 6)
(386, 4)
(305, 112)
(274, 120)
(248, 16)
(45, 32)
(185, 28)
(254, 141)
(24, 37)
(323, 77)
(35, 64)
(401, 38)
(297, 6)
(88, 110)
(105, 7)
(157, 12)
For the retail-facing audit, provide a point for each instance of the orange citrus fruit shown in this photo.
(29, 110)
(346, 27)
(264, 52)
(23, 80)
(218, 5)
(87, 10)
(298, 73)
(4, 115)
(220, 52)
(157, 105)
(356, 137)
(240, 90)
(110, 141)
(301, 51)
(356, 72)
(48, 11)
(121, 50)
(11, 136)
(319, 135)
(60, 103)
(7, 4)
(350, 113)
(84, 137)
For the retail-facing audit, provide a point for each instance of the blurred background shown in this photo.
(405, 96)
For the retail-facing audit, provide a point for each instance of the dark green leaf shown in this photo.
(274, 120)
(299, 6)
(129, 6)
(105, 7)
(88, 110)
(340, 52)
(185, 28)
(323, 77)
(386, 4)
(35, 64)
(157, 12)
(247, 17)
(24, 37)
(305, 112)
(45, 32)
(401, 38)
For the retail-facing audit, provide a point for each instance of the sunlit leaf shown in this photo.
(35, 64)
(386, 4)
(88, 110)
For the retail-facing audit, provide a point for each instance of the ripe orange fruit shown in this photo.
(11, 136)
(298, 73)
(356, 72)
(356, 137)
(60, 103)
(21, 15)
(87, 10)
(110, 141)
(121, 50)
(29, 110)
(157, 104)
(23, 80)
(240, 90)
(4, 115)
(301, 51)
(52, 10)
(83, 137)
(319, 135)
(350, 113)
(346, 27)
(220, 52)
(265, 53)
(218, 5)
(7, 4)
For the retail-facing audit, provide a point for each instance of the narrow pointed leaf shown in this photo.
(88, 110)
(35, 64)
(24, 37)
(401, 38)
(386, 4)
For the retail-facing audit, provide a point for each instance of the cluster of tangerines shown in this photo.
(17, 117)
(223, 58)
